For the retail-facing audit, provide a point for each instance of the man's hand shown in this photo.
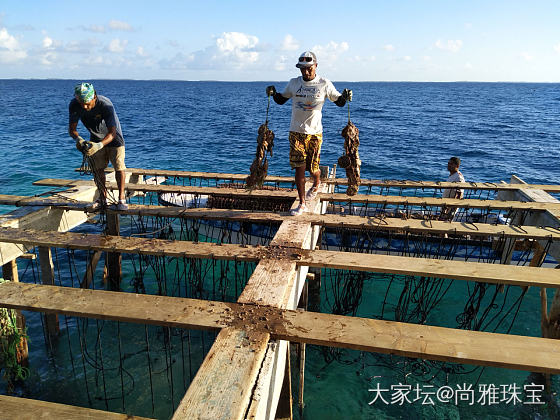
(270, 91)
(347, 95)
(92, 148)
(80, 142)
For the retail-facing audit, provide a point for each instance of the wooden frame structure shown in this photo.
(249, 353)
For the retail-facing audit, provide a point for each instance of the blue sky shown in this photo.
(258, 40)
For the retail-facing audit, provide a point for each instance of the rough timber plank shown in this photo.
(27, 409)
(272, 282)
(458, 270)
(544, 232)
(342, 198)
(342, 181)
(258, 322)
(234, 359)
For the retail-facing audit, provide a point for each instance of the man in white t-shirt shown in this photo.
(308, 93)
(455, 175)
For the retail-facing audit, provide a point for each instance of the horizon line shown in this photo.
(265, 81)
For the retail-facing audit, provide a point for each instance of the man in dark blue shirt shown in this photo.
(106, 142)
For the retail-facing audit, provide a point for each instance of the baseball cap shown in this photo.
(306, 59)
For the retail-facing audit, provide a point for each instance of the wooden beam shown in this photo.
(47, 277)
(253, 323)
(90, 270)
(389, 224)
(342, 181)
(27, 409)
(114, 259)
(381, 200)
(282, 257)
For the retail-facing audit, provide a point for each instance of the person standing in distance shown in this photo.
(106, 142)
(308, 93)
(455, 175)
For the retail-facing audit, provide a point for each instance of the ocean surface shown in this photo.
(407, 131)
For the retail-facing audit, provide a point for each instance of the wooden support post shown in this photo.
(10, 272)
(301, 347)
(114, 258)
(314, 290)
(47, 276)
(90, 270)
(284, 411)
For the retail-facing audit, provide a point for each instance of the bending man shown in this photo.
(308, 93)
(106, 140)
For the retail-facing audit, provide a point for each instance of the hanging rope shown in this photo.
(265, 143)
(350, 160)
(88, 167)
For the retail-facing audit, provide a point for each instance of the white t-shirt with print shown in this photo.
(307, 102)
(455, 177)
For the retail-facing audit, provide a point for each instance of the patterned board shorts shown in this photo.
(113, 154)
(305, 150)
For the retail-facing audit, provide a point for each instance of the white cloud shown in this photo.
(117, 46)
(231, 50)
(141, 52)
(526, 56)
(468, 65)
(451, 45)
(80, 47)
(7, 41)
(557, 48)
(114, 25)
(289, 43)
(118, 25)
(98, 29)
(10, 50)
(330, 52)
(49, 58)
(282, 62)
(389, 47)
(426, 58)
(407, 58)
(47, 42)
(236, 43)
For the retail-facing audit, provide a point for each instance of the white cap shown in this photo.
(306, 59)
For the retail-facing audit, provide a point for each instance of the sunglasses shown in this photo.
(308, 59)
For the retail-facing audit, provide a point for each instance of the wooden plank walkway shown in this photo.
(28, 409)
(290, 256)
(410, 340)
(380, 200)
(418, 226)
(343, 181)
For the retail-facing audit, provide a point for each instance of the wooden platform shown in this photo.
(460, 270)
(27, 409)
(404, 184)
(433, 227)
(428, 342)
(380, 200)
(245, 353)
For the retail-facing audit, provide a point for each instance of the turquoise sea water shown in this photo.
(407, 131)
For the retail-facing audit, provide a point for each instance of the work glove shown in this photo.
(270, 91)
(347, 95)
(80, 142)
(92, 148)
